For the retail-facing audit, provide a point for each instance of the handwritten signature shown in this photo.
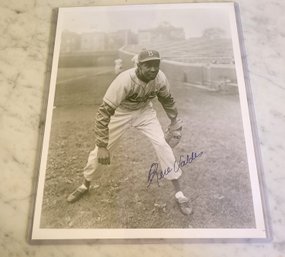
(155, 174)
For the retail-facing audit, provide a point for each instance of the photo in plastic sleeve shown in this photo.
(148, 128)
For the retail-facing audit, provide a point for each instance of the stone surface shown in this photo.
(26, 45)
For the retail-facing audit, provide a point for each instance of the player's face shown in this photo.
(149, 69)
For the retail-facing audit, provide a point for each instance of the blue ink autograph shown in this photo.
(155, 174)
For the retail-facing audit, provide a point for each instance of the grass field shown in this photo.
(217, 182)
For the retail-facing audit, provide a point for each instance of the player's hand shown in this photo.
(173, 133)
(103, 156)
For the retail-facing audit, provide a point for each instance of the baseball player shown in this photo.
(127, 103)
(135, 60)
(118, 66)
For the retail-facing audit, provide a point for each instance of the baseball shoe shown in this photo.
(184, 206)
(77, 194)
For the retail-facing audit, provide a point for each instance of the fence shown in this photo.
(87, 59)
(209, 76)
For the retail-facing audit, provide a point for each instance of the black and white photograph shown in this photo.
(149, 131)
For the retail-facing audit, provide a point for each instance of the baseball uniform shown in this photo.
(127, 103)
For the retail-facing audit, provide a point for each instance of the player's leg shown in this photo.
(118, 125)
(150, 126)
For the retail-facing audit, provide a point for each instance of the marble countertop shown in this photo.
(26, 46)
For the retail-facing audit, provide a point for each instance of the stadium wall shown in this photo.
(87, 59)
(208, 75)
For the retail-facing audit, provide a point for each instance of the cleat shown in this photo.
(77, 194)
(184, 206)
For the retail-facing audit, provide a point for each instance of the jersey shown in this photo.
(129, 92)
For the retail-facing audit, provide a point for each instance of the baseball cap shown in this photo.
(148, 55)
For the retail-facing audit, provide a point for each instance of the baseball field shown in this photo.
(217, 182)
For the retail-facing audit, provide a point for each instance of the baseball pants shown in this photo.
(144, 120)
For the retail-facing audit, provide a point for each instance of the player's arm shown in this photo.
(103, 117)
(166, 99)
(174, 131)
(115, 94)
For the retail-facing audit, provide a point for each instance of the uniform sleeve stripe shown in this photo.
(107, 101)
